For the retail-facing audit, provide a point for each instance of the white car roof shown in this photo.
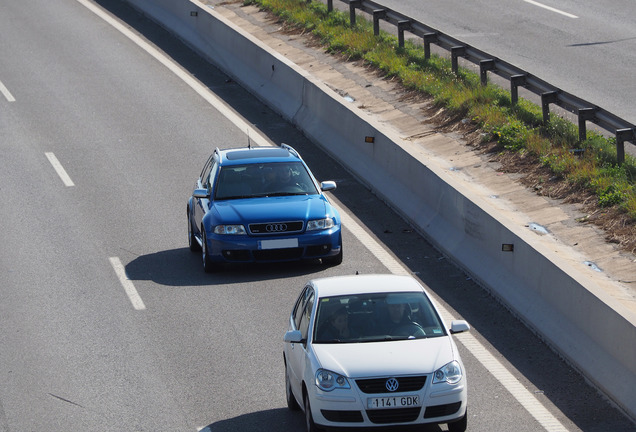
(360, 284)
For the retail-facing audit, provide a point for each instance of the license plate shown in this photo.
(394, 402)
(279, 243)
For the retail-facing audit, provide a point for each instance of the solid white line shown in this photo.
(476, 348)
(59, 169)
(569, 15)
(254, 134)
(7, 94)
(136, 301)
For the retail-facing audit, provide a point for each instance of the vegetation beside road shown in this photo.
(590, 165)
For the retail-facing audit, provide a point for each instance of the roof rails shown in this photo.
(290, 149)
(217, 152)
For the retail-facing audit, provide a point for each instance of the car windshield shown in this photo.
(264, 179)
(376, 317)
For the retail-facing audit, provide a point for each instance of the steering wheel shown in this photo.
(410, 329)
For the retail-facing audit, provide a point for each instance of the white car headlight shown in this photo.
(320, 224)
(229, 229)
(328, 381)
(450, 373)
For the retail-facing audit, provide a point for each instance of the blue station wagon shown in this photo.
(261, 204)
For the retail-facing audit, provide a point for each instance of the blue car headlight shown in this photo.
(320, 224)
(450, 373)
(229, 229)
(328, 381)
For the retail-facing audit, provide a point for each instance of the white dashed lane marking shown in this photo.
(130, 289)
(59, 169)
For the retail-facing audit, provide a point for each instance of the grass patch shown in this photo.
(591, 164)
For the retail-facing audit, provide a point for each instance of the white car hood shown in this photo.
(406, 357)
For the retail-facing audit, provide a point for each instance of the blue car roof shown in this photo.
(256, 155)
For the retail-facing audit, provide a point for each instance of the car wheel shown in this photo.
(309, 419)
(334, 260)
(460, 425)
(208, 265)
(292, 404)
(192, 240)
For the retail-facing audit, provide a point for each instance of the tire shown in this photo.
(309, 419)
(334, 260)
(208, 265)
(192, 240)
(292, 404)
(460, 425)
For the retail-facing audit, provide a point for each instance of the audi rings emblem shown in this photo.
(392, 384)
(279, 227)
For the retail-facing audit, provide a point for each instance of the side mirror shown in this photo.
(327, 186)
(293, 336)
(459, 326)
(201, 193)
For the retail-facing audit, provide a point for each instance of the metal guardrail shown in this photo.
(584, 110)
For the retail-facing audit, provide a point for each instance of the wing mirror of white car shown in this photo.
(201, 193)
(327, 185)
(459, 326)
(293, 336)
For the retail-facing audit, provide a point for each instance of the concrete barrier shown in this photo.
(571, 311)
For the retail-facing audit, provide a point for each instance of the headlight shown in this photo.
(229, 229)
(451, 373)
(320, 224)
(328, 381)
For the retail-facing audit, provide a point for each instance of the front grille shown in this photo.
(442, 410)
(378, 385)
(398, 415)
(278, 254)
(342, 416)
(273, 228)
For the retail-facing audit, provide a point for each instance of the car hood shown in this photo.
(284, 208)
(406, 357)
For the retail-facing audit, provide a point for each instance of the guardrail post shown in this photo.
(378, 14)
(623, 135)
(546, 99)
(429, 38)
(402, 25)
(456, 51)
(353, 4)
(515, 82)
(484, 67)
(585, 114)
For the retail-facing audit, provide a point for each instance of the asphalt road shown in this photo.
(186, 351)
(587, 48)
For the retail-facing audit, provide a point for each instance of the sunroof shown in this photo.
(257, 153)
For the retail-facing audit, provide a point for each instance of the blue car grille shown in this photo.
(273, 228)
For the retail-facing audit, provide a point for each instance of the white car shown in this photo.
(372, 351)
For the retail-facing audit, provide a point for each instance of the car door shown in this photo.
(297, 352)
(205, 181)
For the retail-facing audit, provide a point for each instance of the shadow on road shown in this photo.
(282, 419)
(181, 267)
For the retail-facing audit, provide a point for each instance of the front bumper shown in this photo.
(348, 408)
(244, 248)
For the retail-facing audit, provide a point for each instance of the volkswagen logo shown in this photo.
(392, 384)
(279, 227)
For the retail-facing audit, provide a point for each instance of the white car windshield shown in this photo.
(376, 317)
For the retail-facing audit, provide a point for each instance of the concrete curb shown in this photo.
(569, 310)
